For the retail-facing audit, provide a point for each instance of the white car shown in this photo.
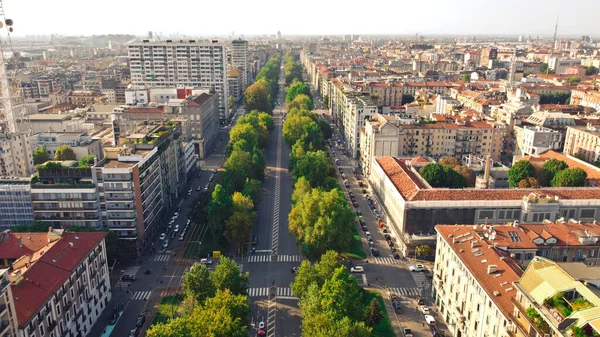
(162, 236)
(425, 310)
(206, 261)
(357, 269)
(166, 244)
(175, 215)
(188, 222)
(181, 237)
(206, 187)
(417, 268)
(172, 221)
(176, 229)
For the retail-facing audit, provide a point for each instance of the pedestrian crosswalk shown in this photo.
(405, 291)
(385, 260)
(419, 278)
(162, 257)
(282, 292)
(269, 258)
(140, 295)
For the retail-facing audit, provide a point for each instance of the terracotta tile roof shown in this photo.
(419, 160)
(31, 242)
(50, 272)
(499, 282)
(405, 181)
(503, 194)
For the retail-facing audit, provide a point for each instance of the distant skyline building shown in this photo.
(239, 59)
(182, 64)
(278, 35)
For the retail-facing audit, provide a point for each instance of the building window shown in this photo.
(588, 213)
(41, 330)
(57, 309)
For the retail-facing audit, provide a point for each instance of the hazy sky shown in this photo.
(250, 17)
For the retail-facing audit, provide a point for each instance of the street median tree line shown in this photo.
(262, 93)
(215, 304)
(321, 218)
(232, 206)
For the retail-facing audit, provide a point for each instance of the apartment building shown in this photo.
(473, 283)
(15, 202)
(184, 63)
(583, 142)
(533, 140)
(59, 283)
(410, 88)
(16, 155)
(81, 143)
(560, 66)
(413, 208)
(356, 113)
(389, 136)
(82, 98)
(236, 84)
(586, 98)
(239, 59)
(65, 196)
(557, 299)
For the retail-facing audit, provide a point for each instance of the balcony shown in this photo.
(536, 322)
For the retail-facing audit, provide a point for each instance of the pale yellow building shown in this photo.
(583, 141)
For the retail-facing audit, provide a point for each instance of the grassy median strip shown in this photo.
(358, 251)
(167, 309)
(384, 328)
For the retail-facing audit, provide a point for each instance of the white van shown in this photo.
(429, 319)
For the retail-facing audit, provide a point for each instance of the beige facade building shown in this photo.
(16, 155)
(583, 141)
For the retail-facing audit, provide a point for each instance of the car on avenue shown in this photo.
(417, 268)
(357, 269)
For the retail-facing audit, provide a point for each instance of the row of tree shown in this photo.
(291, 68)
(232, 208)
(321, 218)
(262, 93)
(554, 172)
(215, 304)
(63, 152)
(331, 300)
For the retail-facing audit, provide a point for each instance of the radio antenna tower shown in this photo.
(553, 44)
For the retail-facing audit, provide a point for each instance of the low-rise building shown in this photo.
(81, 143)
(82, 98)
(583, 142)
(413, 208)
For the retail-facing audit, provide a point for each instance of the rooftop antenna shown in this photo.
(553, 43)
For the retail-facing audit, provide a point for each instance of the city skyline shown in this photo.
(510, 17)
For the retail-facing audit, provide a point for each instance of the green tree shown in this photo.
(253, 190)
(553, 166)
(314, 166)
(297, 153)
(40, 156)
(301, 102)
(64, 152)
(406, 99)
(342, 295)
(301, 188)
(315, 273)
(230, 101)
(238, 167)
(296, 89)
(239, 225)
(591, 70)
(571, 177)
(227, 276)
(543, 68)
(244, 132)
(555, 98)
(373, 313)
(574, 79)
(258, 97)
(442, 176)
(177, 327)
(197, 283)
(422, 250)
(520, 170)
(466, 78)
(87, 161)
(322, 220)
(219, 210)
(325, 129)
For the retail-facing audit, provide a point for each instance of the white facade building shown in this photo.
(357, 112)
(239, 59)
(184, 63)
(533, 140)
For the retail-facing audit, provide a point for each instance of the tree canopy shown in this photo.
(295, 89)
(314, 167)
(571, 177)
(442, 176)
(553, 166)
(520, 170)
(64, 152)
(258, 97)
(40, 156)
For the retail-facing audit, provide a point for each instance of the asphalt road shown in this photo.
(166, 268)
(276, 251)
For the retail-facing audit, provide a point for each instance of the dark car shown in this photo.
(354, 204)
(407, 331)
(420, 300)
(387, 237)
(364, 228)
(140, 321)
(360, 184)
(374, 251)
(397, 256)
(397, 307)
(255, 240)
(393, 297)
(390, 243)
(128, 278)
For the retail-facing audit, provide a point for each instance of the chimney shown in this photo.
(492, 268)
(486, 174)
(20, 242)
